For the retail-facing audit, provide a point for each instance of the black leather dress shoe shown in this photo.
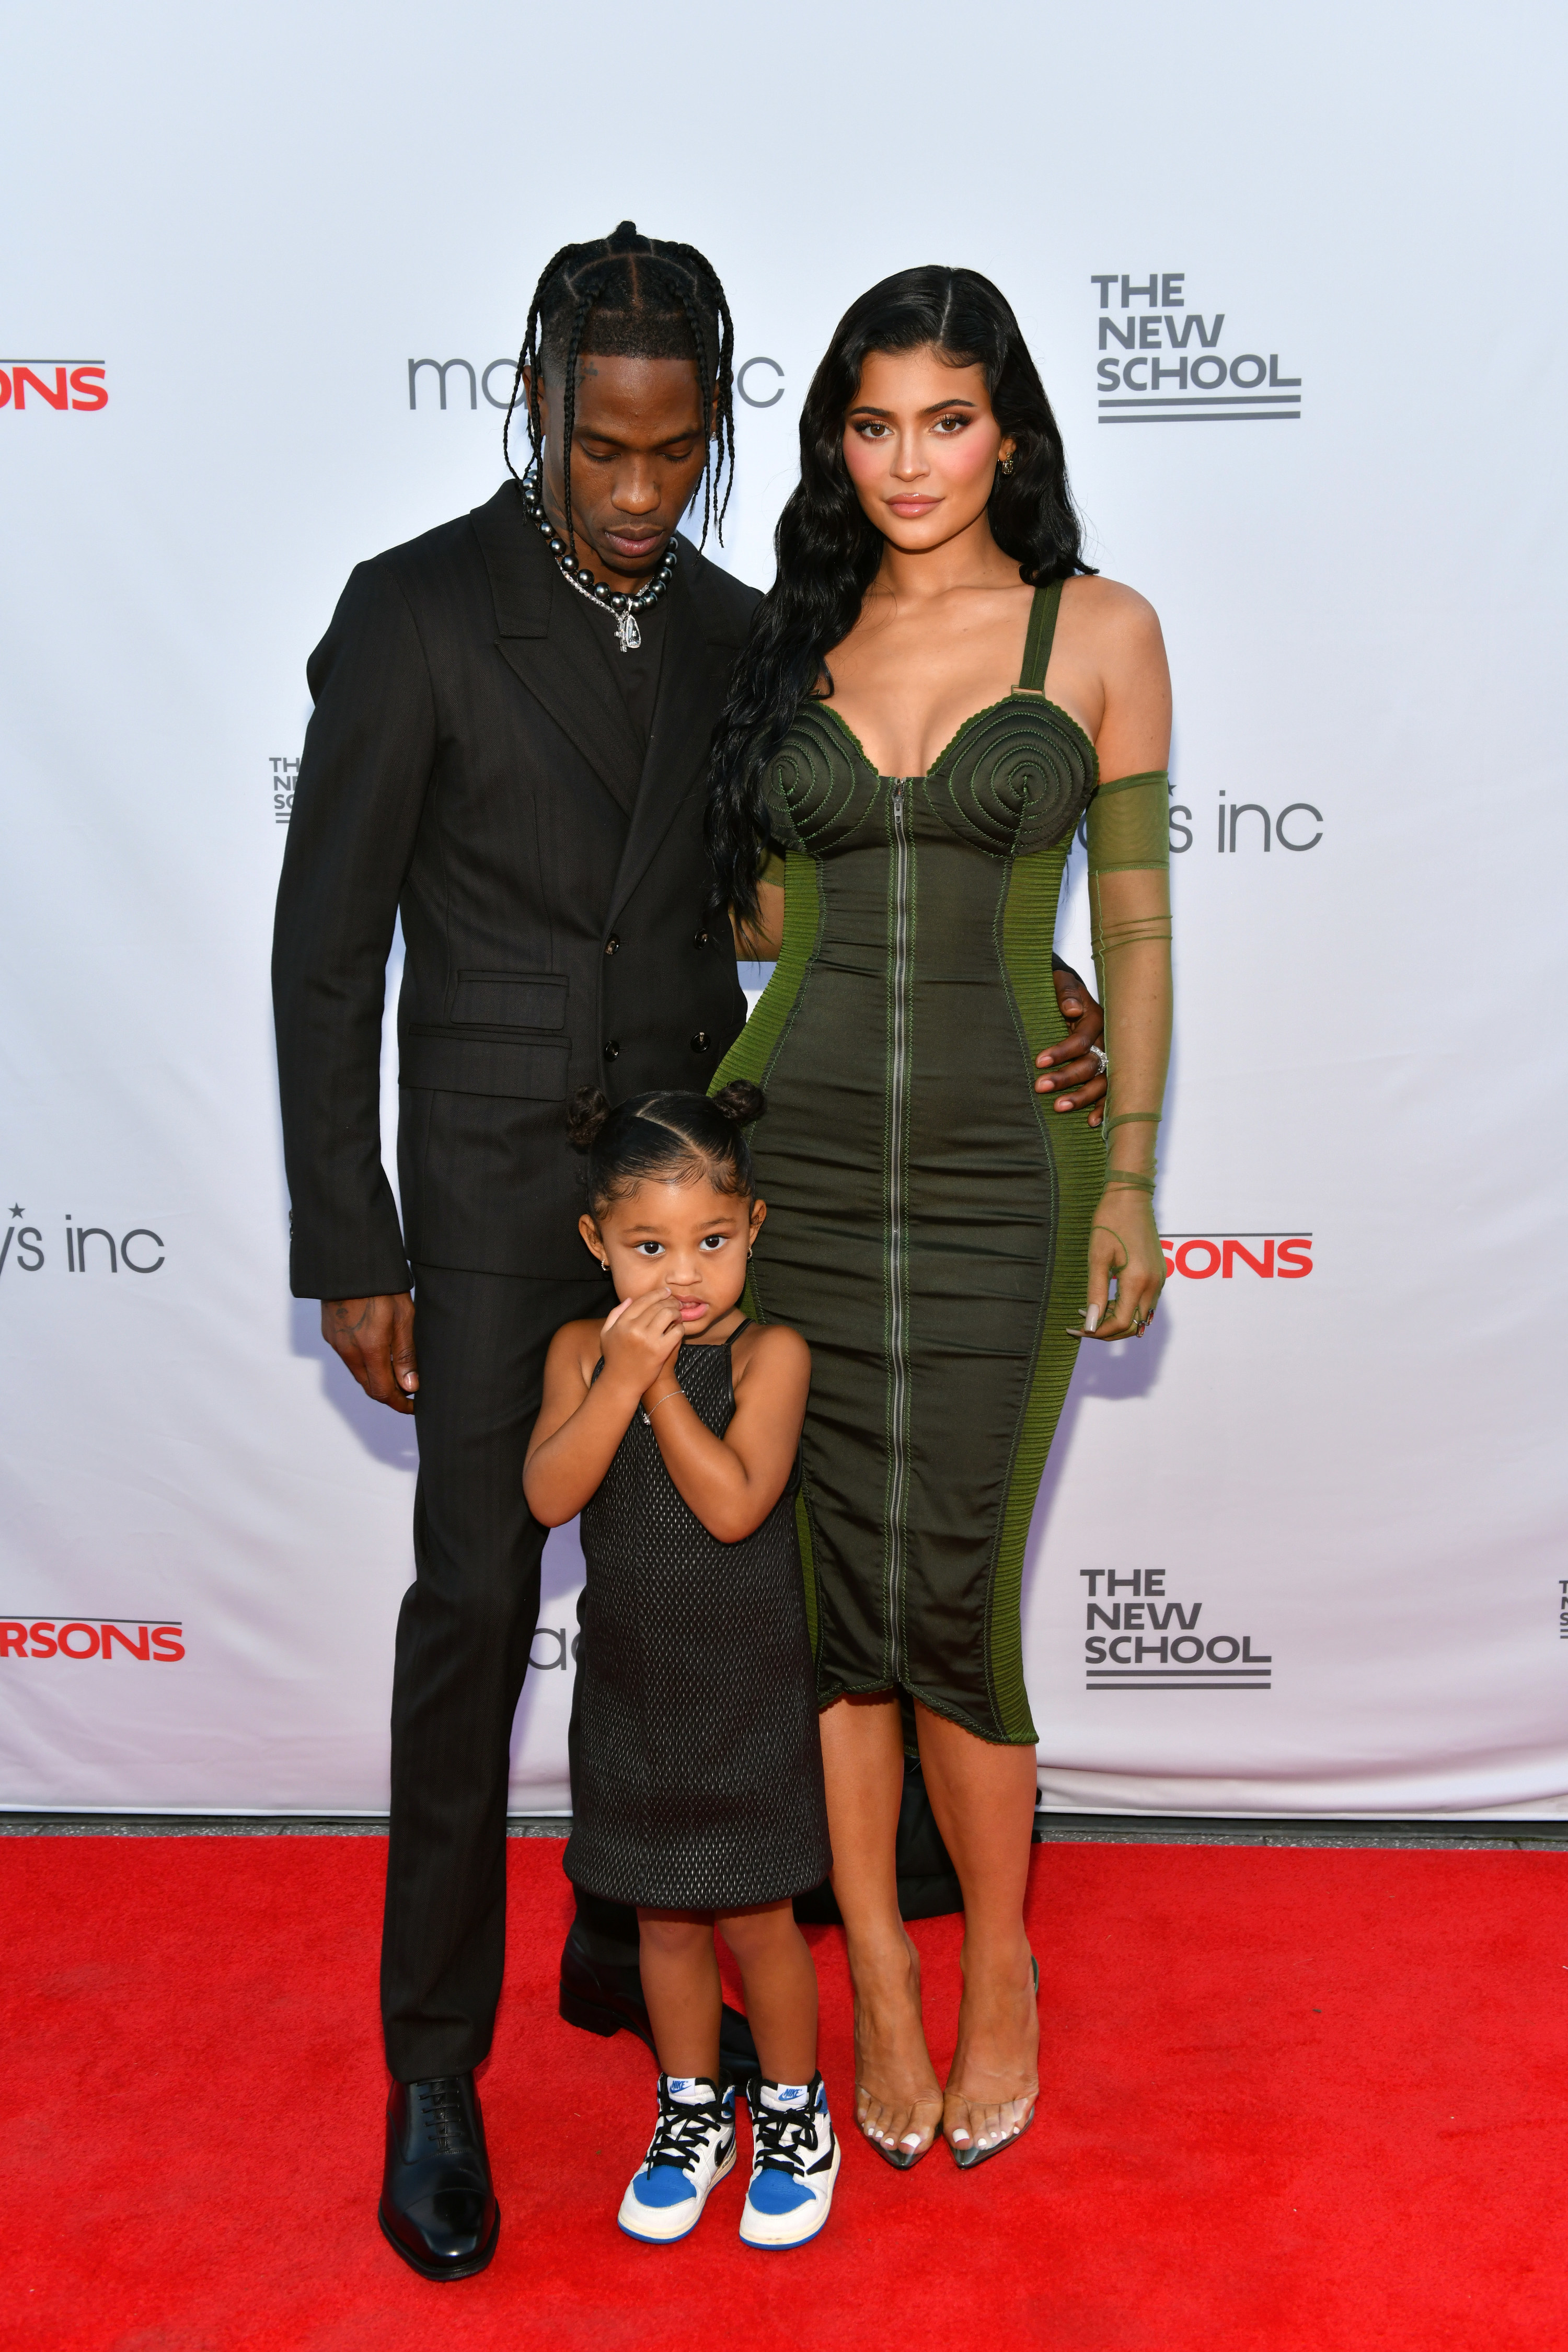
(602, 1996)
(437, 2207)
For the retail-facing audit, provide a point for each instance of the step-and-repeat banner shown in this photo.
(1293, 285)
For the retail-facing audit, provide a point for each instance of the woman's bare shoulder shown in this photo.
(1110, 608)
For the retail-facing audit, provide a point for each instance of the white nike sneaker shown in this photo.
(692, 2148)
(794, 2163)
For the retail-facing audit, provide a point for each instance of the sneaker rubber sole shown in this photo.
(782, 2245)
(674, 2237)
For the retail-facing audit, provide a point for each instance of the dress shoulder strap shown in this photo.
(1042, 629)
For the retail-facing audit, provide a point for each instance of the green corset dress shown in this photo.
(927, 1212)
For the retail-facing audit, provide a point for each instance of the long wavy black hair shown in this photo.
(828, 550)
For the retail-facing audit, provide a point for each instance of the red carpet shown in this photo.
(1295, 2101)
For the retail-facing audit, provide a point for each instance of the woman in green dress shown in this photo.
(935, 694)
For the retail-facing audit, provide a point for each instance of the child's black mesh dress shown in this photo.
(697, 1780)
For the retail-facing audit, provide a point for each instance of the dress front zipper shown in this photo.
(898, 1269)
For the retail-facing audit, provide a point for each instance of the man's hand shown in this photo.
(1071, 1063)
(374, 1337)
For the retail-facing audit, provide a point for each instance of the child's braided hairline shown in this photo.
(702, 1133)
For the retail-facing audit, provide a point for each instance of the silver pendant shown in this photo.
(628, 636)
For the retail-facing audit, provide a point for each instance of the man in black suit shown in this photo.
(509, 742)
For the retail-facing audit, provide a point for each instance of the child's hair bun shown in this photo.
(585, 1115)
(740, 1102)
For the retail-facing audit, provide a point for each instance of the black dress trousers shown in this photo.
(463, 1640)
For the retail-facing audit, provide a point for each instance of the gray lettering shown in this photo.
(441, 367)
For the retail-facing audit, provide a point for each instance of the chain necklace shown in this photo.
(622, 609)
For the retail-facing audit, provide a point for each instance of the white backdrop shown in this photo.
(1346, 1470)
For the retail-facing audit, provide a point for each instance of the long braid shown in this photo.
(527, 357)
(705, 362)
(591, 286)
(723, 376)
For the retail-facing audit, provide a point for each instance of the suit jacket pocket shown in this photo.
(511, 999)
(530, 1068)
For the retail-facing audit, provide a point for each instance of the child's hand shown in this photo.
(639, 1338)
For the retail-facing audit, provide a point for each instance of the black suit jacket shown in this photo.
(471, 764)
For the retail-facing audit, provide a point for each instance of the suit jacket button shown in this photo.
(613, 944)
(699, 1043)
(699, 939)
(612, 1047)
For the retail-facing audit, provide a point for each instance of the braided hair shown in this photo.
(664, 1137)
(631, 296)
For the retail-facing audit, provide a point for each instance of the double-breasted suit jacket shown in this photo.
(471, 764)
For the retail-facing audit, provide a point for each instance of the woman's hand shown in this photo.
(639, 1339)
(1122, 1242)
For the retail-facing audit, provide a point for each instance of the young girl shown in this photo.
(673, 1427)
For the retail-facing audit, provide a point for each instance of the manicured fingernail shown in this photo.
(1045, 1085)
(1091, 1315)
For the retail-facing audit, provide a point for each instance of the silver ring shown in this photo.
(1100, 1060)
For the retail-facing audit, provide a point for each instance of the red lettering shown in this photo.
(167, 1647)
(1295, 1260)
(1264, 1264)
(24, 376)
(13, 1640)
(5, 389)
(1198, 1273)
(138, 1648)
(44, 1643)
(94, 394)
(91, 1632)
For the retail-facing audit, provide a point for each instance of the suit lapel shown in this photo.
(543, 633)
(700, 649)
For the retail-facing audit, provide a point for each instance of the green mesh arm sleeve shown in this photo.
(1129, 913)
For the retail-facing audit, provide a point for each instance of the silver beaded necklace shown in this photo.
(621, 608)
